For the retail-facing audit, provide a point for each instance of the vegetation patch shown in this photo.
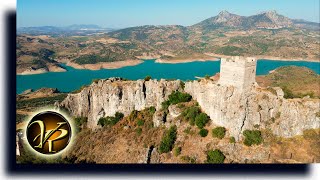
(177, 151)
(147, 78)
(188, 159)
(252, 137)
(201, 120)
(215, 157)
(168, 140)
(203, 132)
(110, 120)
(175, 98)
(219, 132)
(140, 122)
(232, 140)
(40, 102)
(190, 114)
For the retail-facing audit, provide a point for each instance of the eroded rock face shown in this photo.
(226, 105)
(106, 97)
(237, 110)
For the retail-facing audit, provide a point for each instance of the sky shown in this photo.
(128, 13)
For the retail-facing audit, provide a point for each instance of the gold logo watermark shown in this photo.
(48, 132)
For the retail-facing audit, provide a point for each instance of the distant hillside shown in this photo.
(75, 29)
(267, 20)
(267, 35)
(295, 81)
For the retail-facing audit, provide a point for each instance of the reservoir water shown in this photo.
(73, 79)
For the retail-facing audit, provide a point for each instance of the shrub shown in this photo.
(165, 105)
(152, 110)
(140, 122)
(203, 132)
(177, 151)
(219, 132)
(288, 94)
(133, 115)
(207, 76)
(110, 120)
(147, 78)
(252, 137)
(80, 120)
(318, 114)
(232, 140)
(175, 98)
(178, 97)
(201, 120)
(182, 84)
(190, 114)
(168, 140)
(215, 157)
(139, 131)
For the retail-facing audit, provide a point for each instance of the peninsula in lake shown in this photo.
(266, 35)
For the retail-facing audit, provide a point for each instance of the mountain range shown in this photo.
(267, 34)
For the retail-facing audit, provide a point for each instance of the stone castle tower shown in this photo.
(238, 71)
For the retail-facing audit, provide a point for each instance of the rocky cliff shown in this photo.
(256, 108)
(226, 105)
(106, 97)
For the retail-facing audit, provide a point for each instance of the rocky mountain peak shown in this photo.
(224, 16)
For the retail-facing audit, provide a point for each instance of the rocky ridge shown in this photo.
(226, 105)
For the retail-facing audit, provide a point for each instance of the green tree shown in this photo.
(203, 132)
(201, 120)
(215, 157)
(168, 140)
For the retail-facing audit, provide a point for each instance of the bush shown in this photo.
(232, 140)
(147, 78)
(110, 120)
(207, 76)
(178, 97)
(175, 98)
(177, 151)
(219, 132)
(252, 137)
(203, 132)
(201, 120)
(80, 120)
(190, 114)
(140, 122)
(215, 157)
(288, 94)
(168, 140)
(133, 115)
(152, 110)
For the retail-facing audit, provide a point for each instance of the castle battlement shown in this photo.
(238, 71)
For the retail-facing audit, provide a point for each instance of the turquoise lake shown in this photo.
(74, 78)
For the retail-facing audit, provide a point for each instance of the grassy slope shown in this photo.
(299, 80)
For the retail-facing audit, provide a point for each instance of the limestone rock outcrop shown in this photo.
(106, 97)
(227, 106)
(239, 110)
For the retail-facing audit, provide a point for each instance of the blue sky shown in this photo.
(127, 13)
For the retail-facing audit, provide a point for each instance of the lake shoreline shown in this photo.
(105, 65)
(127, 63)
